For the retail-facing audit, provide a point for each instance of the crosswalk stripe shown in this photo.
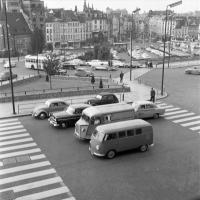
(45, 194)
(70, 198)
(14, 136)
(161, 104)
(175, 112)
(27, 176)
(178, 116)
(17, 147)
(195, 128)
(16, 141)
(186, 119)
(24, 167)
(36, 157)
(171, 109)
(33, 185)
(170, 106)
(12, 132)
(191, 123)
(9, 124)
(11, 128)
(7, 155)
(8, 120)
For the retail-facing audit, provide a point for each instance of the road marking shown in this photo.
(17, 147)
(16, 141)
(161, 104)
(195, 128)
(35, 184)
(27, 176)
(9, 124)
(7, 155)
(12, 132)
(11, 128)
(14, 136)
(186, 119)
(178, 116)
(166, 106)
(171, 109)
(24, 167)
(70, 198)
(8, 120)
(36, 157)
(45, 194)
(176, 112)
(191, 123)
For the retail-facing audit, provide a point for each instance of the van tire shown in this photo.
(64, 124)
(111, 154)
(144, 148)
(155, 115)
(42, 115)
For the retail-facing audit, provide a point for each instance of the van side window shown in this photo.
(107, 118)
(97, 120)
(138, 131)
(130, 132)
(111, 136)
(122, 134)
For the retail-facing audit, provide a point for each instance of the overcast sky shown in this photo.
(130, 5)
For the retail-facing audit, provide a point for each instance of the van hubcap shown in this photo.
(111, 154)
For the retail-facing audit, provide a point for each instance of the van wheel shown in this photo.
(43, 115)
(111, 154)
(155, 115)
(143, 148)
(64, 124)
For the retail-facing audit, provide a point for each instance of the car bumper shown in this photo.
(53, 123)
(93, 152)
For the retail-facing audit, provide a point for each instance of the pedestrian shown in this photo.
(121, 77)
(92, 79)
(152, 94)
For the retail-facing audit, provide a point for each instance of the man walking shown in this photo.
(152, 94)
(121, 77)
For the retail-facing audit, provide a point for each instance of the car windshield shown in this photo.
(70, 110)
(98, 135)
(85, 117)
(99, 97)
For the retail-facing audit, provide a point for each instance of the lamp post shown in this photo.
(131, 38)
(10, 69)
(166, 15)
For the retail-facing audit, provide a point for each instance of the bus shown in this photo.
(31, 61)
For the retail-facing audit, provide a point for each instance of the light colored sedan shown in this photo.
(193, 70)
(147, 109)
(13, 64)
(52, 105)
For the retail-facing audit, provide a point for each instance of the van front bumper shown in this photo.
(95, 153)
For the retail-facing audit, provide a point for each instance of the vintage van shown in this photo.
(107, 140)
(102, 114)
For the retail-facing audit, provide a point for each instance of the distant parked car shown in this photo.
(193, 70)
(4, 76)
(67, 66)
(103, 98)
(52, 105)
(68, 117)
(83, 72)
(147, 109)
(6, 65)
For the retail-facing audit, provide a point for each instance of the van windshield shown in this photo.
(98, 136)
(85, 117)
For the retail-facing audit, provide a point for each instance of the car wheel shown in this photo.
(64, 124)
(143, 148)
(42, 115)
(111, 154)
(155, 115)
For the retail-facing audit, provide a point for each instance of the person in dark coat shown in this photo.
(121, 77)
(153, 95)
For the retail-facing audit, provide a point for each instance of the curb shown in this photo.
(15, 116)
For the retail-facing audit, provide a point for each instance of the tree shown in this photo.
(37, 41)
(50, 67)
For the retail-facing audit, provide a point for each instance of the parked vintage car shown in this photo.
(68, 117)
(83, 72)
(103, 98)
(193, 70)
(52, 105)
(13, 64)
(4, 76)
(147, 109)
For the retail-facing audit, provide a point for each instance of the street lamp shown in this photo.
(131, 38)
(171, 6)
(10, 69)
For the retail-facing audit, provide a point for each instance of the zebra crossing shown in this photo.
(25, 172)
(181, 116)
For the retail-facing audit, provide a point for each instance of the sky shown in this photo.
(130, 5)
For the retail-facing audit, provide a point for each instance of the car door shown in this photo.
(104, 100)
(141, 111)
(53, 107)
(149, 110)
(61, 106)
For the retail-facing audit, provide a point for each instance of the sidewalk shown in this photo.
(138, 92)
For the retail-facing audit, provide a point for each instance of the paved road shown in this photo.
(169, 170)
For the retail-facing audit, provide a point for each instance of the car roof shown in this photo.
(117, 126)
(80, 105)
(55, 100)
